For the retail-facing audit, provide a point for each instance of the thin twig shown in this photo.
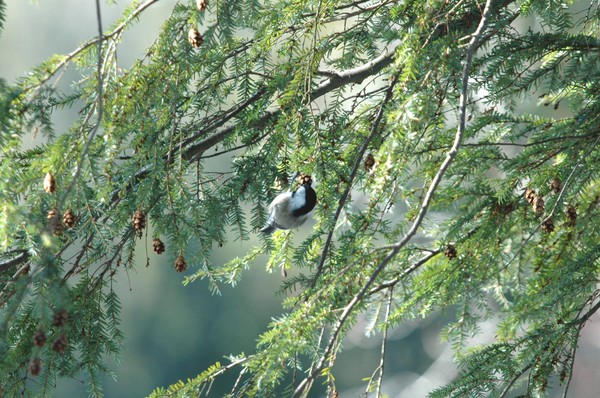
(388, 309)
(514, 380)
(99, 107)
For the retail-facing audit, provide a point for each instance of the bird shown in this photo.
(290, 209)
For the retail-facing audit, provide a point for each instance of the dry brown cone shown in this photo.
(369, 162)
(139, 222)
(39, 338)
(530, 195)
(571, 214)
(504, 209)
(195, 38)
(60, 318)
(49, 183)
(548, 225)
(54, 222)
(555, 185)
(60, 344)
(201, 4)
(158, 246)
(538, 204)
(450, 252)
(35, 366)
(69, 219)
(180, 264)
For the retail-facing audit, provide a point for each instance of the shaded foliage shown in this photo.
(410, 117)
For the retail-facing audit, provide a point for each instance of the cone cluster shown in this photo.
(535, 200)
(54, 217)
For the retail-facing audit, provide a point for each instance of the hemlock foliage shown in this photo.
(415, 106)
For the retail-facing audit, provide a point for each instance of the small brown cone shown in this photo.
(35, 366)
(369, 162)
(538, 204)
(49, 183)
(195, 38)
(139, 222)
(530, 195)
(60, 318)
(39, 338)
(158, 246)
(555, 185)
(548, 225)
(69, 219)
(54, 222)
(201, 4)
(571, 214)
(60, 345)
(180, 264)
(450, 252)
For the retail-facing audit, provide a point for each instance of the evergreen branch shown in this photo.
(515, 144)
(90, 43)
(20, 258)
(575, 167)
(342, 202)
(194, 152)
(304, 386)
(405, 273)
(355, 75)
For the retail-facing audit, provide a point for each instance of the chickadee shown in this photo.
(290, 209)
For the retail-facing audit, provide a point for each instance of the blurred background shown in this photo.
(174, 332)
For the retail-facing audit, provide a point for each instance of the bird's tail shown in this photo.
(268, 230)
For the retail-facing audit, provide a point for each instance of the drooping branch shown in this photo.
(303, 388)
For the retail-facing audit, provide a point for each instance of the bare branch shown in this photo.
(20, 258)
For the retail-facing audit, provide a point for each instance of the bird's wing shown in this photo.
(279, 200)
